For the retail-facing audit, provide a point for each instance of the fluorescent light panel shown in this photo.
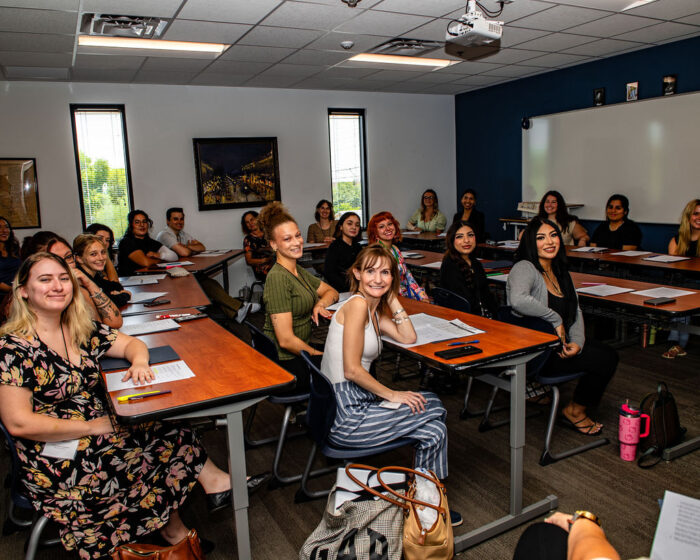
(636, 4)
(396, 59)
(152, 44)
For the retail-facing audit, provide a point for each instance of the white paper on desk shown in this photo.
(443, 234)
(603, 290)
(589, 249)
(137, 281)
(165, 373)
(145, 296)
(677, 534)
(436, 265)
(631, 253)
(430, 329)
(312, 245)
(61, 449)
(342, 298)
(411, 232)
(663, 292)
(149, 327)
(210, 252)
(176, 263)
(498, 277)
(467, 328)
(412, 255)
(665, 258)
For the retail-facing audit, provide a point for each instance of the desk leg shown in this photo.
(518, 515)
(236, 451)
(224, 273)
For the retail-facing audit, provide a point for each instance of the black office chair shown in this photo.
(319, 418)
(535, 373)
(447, 298)
(19, 500)
(263, 344)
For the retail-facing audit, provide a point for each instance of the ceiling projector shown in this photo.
(472, 37)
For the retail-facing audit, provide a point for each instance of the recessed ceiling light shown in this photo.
(395, 59)
(128, 43)
(637, 4)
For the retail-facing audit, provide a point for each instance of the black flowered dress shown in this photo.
(118, 487)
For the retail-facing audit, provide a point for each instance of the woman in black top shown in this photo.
(91, 257)
(343, 251)
(618, 231)
(137, 249)
(9, 256)
(470, 214)
(463, 274)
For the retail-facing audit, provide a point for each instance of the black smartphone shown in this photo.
(659, 301)
(156, 302)
(460, 352)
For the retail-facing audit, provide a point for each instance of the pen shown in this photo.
(138, 396)
(463, 343)
(592, 283)
(173, 316)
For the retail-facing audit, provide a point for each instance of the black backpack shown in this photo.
(664, 425)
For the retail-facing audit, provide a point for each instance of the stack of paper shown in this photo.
(631, 253)
(665, 258)
(603, 290)
(589, 249)
(145, 296)
(150, 327)
(141, 280)
(176, 263)
(412, 255)
(434, 329)
(663, 292)
(211, 252)
(165, 373)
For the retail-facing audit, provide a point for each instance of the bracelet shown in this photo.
(399, 311)
(399, 321)
(97, 293)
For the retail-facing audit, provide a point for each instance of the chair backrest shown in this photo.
(320, 413)
(506, 315)
(16, 487)
(262, 343)
(447, 298)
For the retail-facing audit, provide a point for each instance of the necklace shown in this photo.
(65, 346)
(555, 285)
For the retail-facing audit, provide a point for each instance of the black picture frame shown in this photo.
(19, 192)
(599, 97)
(236, 172)
(668, 84)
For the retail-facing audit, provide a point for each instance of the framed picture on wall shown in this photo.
(669, 84)
(599, 97)
(236, 172)
(19, 192)
(632, 91)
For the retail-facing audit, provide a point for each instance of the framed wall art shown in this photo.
(236, 172)
(19, 192)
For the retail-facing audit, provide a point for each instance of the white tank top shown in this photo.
(332, 362)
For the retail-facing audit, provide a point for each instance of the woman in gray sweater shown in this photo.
(539, 285)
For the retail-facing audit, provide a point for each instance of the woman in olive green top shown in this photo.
(293, 297)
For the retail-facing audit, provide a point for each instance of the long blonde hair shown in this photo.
(684, 231)
(368, 258)
(21, 321)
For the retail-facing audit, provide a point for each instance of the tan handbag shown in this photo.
(187, 549)
(435, 543)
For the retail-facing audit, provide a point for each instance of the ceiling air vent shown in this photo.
(407, 47)
(109, 25)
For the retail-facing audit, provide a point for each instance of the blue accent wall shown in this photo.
(488, 130)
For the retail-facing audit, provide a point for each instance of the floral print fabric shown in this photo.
(119, 486)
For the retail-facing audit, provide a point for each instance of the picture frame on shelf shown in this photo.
(19, 192)
(632, 91)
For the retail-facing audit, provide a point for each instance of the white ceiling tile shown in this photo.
(382, 23)
(107, 61)
(433, 31)
(237, 67)
(249, 53)
(159, 8)
(445, 89)
(511, 56)
(405, 87)
(319, 58)
(472, 67)
(515, 35)
(35, 42)
(204, 31)
(365, 3)
(603, 47)
(480, 80)
(37, 21)
(554, 60)
(659, 32)
(65, 5)
(436, 77)
(559, 18)
(348, 73)
(672, 39)
(35, 59)
(511, 71)
(232, 11)
(102, 75)
(220, 79)
(163, 77)
(393, 75)
(322, 83)
(692, 20)
(171, 64)
(309, 16)
(298, 71)
(511, 12)
(363, 43)
(272, 81)
(435, 8)
(35, 73)
(667, 9)
(556, 42)
(368, 84)
(612, 25)
(610, 5)
(279, 37)
(381, 66)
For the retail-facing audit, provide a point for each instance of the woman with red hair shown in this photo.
(385, 229)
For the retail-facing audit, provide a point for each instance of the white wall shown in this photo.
(410, 146)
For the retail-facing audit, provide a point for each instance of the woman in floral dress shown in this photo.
(120, 483)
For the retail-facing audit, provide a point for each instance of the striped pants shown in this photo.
(361, 422)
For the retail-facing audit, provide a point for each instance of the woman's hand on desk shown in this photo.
(140, 372)
(415, 401)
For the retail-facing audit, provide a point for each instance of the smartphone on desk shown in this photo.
(659, 301)
(460, 352)
(156, 302)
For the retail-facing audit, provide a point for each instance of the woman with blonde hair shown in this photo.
(92, 258)
(428, 217)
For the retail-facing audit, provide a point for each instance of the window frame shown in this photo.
(361, 113)
(77, 107)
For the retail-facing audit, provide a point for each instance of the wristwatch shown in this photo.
(582, 514)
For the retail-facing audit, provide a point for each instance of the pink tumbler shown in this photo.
(630, 428)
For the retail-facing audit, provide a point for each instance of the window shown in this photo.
(348, 175)
(102, 161)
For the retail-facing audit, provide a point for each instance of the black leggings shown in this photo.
(542, 541)
(298, 368)
(597, 360)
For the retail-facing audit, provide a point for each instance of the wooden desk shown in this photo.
(425, 240)
(505, 347)
(212, 264)
(691, 265)
(182, 292)
(229, 377)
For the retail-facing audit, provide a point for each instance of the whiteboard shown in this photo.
(648, 150)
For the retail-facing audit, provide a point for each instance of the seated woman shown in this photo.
(9, 256)
(553, 208)
(294, 298)
(121, 482)
(258, 254)
(137, 249)
(91, 259)
(428, 217)
(103, 309)
(36, 243)
(343, 252)
(684, 244)
(470, 214)
(539, 285)
(106, 234)
(463, 274)
(323, 230)
(384, 228)
(618, 231)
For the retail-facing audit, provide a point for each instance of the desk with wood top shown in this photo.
(229, 377)
(428, 240)
(184, 291)
(505, 347)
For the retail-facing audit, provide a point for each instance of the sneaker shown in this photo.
(456, 518)
(243, 312)
(674, 352)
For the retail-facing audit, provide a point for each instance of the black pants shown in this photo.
(542, 541)
(297, 367)
(597, 360)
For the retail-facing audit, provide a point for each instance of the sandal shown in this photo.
(586, 430)
(674, 352)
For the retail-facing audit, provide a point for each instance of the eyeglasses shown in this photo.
(140, 222)
(428, 197)
(69, 257)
